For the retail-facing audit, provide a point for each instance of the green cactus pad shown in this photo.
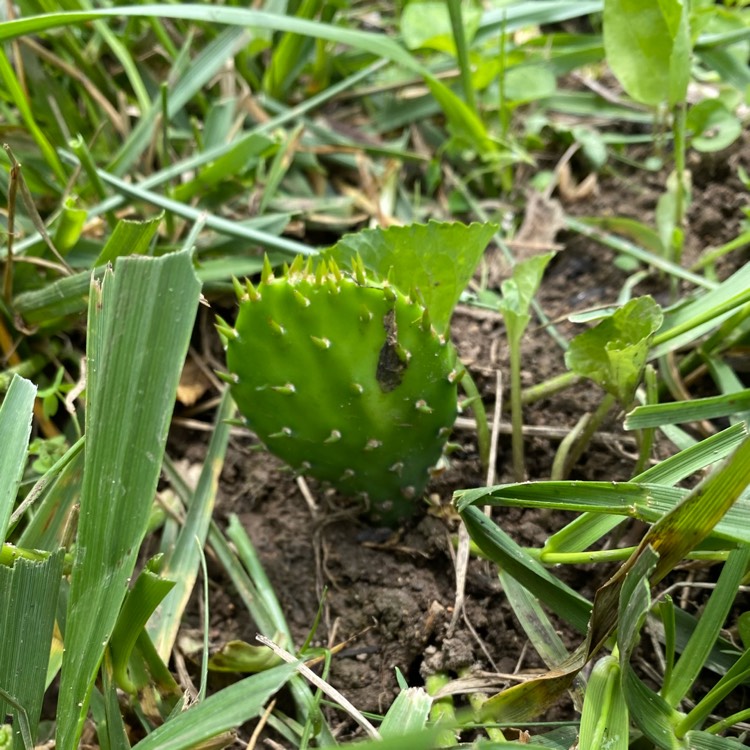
(345, 380)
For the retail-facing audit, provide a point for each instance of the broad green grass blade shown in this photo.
(28, 591)
(683, 528)
(501, 549)
(129, 238)
(602, 497)
(139, 328)
(407, 714)
(65, 296)
(182, 562)
(694, 318)
(706, 741)
(589, 527)
(711, 407)
(220, 712)
(648, 502)
(650, 712)
(735, 676)
(15, 428)
(671, 538)
(696, 458)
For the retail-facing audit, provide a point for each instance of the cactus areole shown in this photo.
(345, 379)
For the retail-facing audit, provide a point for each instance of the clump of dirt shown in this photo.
(390, 594)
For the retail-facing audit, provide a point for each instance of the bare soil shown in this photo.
(390, 593)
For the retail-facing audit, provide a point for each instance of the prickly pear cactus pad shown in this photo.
(345, 379)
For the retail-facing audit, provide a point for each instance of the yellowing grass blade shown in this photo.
(140, 321)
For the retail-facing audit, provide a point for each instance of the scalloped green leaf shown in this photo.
(614, 353)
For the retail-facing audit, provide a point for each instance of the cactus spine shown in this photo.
(345, 379)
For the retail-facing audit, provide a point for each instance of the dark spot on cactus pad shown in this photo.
(391, 364)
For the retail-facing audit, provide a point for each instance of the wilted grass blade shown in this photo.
(139, 329)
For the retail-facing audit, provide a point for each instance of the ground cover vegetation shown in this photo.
(258, 264)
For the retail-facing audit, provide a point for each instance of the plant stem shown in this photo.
(462, 53)
(593, 424)
(516, 411)
(681, 193)
(480, 417)
(549, 387)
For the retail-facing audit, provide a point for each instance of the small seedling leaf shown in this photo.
(714, 126)
(518, 292)
(614, 353)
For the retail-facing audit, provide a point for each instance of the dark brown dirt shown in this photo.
(390, 595)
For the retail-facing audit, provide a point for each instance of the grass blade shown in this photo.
(500, 548)
(222, 711)
(708, 627)
(140, 324)
(15, 427)
(183, 561)
(29, 592)
(711, 407)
